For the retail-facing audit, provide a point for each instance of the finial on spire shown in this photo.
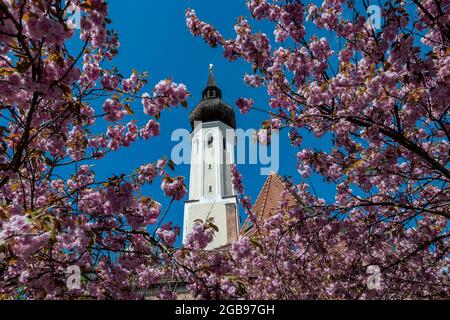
(211, 91)
(211, 81)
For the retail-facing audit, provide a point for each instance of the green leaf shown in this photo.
(171, 165)
(129, 110)
(213, 226)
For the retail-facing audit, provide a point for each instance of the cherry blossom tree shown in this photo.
(381, 100)
(50, 99)
(380, 97)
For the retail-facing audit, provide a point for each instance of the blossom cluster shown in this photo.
(244, 105)
(174, 187)
(55, 213)
(376, 99)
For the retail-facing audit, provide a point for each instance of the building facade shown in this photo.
(211, 193)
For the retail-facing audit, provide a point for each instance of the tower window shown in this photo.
(210, 188)
(209, 166)
(224, 143)
(210, 142)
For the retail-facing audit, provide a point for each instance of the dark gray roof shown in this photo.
(213, 110)
(211, 107)
(211, 81)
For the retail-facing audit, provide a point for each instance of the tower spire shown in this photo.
(211, 81)
(212, 90)
(212, 107)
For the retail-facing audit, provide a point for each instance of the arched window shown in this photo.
(210, 189)
(210, 141)
(224, 143)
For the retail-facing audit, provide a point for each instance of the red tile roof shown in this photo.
(268, 201)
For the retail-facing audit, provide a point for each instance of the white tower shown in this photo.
(211, 193)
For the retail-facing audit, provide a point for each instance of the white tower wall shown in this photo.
(211, 193)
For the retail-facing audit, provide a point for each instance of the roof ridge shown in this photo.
(248, 220)
(274, 183)
(269, 179)
(285, 185)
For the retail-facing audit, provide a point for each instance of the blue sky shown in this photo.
(154, 38)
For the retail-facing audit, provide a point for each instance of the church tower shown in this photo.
(211, 193)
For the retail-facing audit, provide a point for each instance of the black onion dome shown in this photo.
(211, 107)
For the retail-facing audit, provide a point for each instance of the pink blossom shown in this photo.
(151, 129)
(236, 179)
(197, 27)
(110, 82)
(147, 173)
(244, 105)
(199, 237)
(174, 187)
(166, 234)
(241, 248)
(114, 110)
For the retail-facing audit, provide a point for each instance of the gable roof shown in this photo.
(268, 201)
